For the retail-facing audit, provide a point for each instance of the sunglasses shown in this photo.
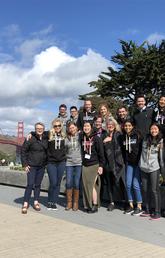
(55, 126)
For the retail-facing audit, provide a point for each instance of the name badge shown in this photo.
(87, 156)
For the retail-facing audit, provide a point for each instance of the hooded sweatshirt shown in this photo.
(92, 150)
(56, 149)
(63, 120)
(73, 151)
(159, 117)
(85, 116)
(152, 157)
(132, 147)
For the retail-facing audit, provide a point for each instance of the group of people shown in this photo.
(94, 148)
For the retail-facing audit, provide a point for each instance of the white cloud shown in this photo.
(28, 49)
(155, 38)
(9, 116)
(54, 77)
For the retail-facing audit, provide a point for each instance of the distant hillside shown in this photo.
(7, 148)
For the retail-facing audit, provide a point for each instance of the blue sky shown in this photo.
(50, 50)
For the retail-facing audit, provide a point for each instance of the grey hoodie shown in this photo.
(73, 151)
(152, 158)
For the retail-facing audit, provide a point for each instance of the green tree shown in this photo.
(139, 70)
(98, 100)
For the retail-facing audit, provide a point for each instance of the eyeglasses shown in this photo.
(55, 126)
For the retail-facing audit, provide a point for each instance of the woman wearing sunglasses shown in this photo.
(56, 161)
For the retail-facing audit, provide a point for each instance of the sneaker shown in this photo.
(54, 207)
(49, 206)
(137, 212)
(110, 207)
(155, 216)
(145, 214)
(129, 210)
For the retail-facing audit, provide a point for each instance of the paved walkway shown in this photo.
(38, 235)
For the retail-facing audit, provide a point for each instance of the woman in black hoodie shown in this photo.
(92, 160)
(132, 142)
(56, 161)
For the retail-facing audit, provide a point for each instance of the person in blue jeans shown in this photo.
(132, 144)
(56, 161)
(33, 157)
(73, 166)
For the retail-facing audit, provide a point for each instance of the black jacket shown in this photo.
(132, 146)
(34, 152)
(85, 117)
(113, 156)
(56, 150)
(159, 118)
(92, 146)
(143, 120)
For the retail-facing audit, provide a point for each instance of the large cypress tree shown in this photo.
(139, 70)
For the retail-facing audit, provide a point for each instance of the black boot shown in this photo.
(93, 209)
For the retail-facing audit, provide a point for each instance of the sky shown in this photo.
(51, 49)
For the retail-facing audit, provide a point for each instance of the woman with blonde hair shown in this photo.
(114, 165)
(56, 161)
(106, 115)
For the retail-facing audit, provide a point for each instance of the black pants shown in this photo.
(34, 179)
(116, 189)
(150, 190)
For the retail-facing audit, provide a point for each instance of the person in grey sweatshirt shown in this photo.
(151, 164)
(73, 166)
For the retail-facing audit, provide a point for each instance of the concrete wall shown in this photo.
(18, 178)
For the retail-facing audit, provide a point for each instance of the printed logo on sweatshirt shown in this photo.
(88, 118)
(131, 141)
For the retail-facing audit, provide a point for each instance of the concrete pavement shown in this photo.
(37, 235)
(74, 234)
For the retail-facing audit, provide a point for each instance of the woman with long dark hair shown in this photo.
(92, 160)
(132, 141)
(151, 164)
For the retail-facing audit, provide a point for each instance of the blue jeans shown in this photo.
(73, 175)
(133, 183)
(55, 173)
(34, 179)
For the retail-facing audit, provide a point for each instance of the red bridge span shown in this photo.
(19, 139)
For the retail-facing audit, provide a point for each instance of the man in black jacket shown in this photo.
(87, 115)
(33, 157)
(122, 115)
(142, 116)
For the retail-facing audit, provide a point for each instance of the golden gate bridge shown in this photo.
(18, 141)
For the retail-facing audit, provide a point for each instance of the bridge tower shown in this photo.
(20, 140)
